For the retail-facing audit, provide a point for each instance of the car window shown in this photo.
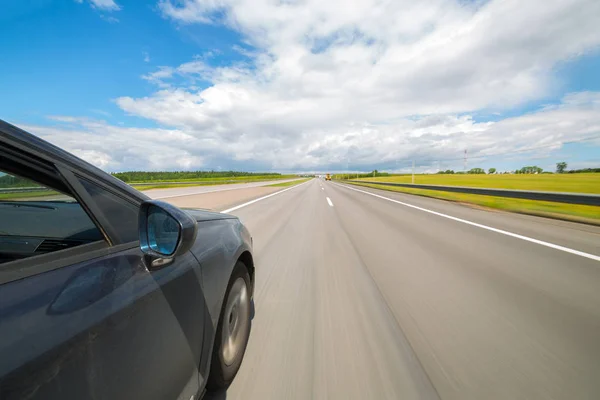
(35, 219)
(120, 213)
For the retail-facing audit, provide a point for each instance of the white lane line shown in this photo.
(489, 228)
(262, 198)
(329, 201)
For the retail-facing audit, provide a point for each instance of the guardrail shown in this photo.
(557, 197)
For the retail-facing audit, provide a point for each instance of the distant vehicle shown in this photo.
(107, 294)
(328, 177)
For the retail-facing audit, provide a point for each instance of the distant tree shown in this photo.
(448, 171)
(476, 171)
(530, 170)
(492, 171)
(561, 167)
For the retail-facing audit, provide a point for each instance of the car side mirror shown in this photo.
(165, 232)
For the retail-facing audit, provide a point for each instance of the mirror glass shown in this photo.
(163, 231)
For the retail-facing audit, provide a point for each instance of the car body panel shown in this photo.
(207, 215)
(91, 329)
(219, 245)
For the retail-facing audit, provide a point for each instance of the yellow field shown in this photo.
(579, 183)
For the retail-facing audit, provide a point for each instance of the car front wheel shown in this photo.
(233, 330)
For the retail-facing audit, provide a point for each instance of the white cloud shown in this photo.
(377, 80)
(105, 5)
(109, 18)
(115, 148)
(427, 139)
(146, 56)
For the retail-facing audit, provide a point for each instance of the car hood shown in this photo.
(206, 215)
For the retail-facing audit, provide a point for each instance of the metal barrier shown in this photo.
(557, 197)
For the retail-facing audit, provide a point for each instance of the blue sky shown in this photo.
(268, 86)
(69, 58)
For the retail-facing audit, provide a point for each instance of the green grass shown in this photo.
(570, 212)
(578, 183)
(290, 183)
(28, 195)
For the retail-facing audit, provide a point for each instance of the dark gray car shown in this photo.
(106, 294)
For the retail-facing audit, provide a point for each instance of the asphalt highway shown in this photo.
(367, 294)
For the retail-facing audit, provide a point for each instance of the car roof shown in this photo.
(19, 138)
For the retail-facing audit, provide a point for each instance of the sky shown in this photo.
(306, 85)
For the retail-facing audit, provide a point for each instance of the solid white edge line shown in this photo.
(213, 191)
(262, 198)
(329, 201)
(489, 228)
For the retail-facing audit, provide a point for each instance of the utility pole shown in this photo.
(413, 173)
(465, 162)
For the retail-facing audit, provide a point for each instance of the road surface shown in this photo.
(365, 297)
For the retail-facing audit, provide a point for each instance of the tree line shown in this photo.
(146, 176)
(561, 168)
(8, 181)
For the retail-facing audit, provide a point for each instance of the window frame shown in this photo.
(45, 166)
(74, 178)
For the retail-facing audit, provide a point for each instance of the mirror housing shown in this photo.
(165, 232)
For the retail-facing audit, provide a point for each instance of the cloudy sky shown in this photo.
(306, 85)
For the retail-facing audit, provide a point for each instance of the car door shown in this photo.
(80, 314)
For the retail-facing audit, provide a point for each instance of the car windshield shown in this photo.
(411, 187)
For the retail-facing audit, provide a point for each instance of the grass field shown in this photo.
(569, 212)
(579, 183)
(290, 183)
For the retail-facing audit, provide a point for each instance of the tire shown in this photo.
(234, 324)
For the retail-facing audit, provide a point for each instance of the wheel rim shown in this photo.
(235, 321)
